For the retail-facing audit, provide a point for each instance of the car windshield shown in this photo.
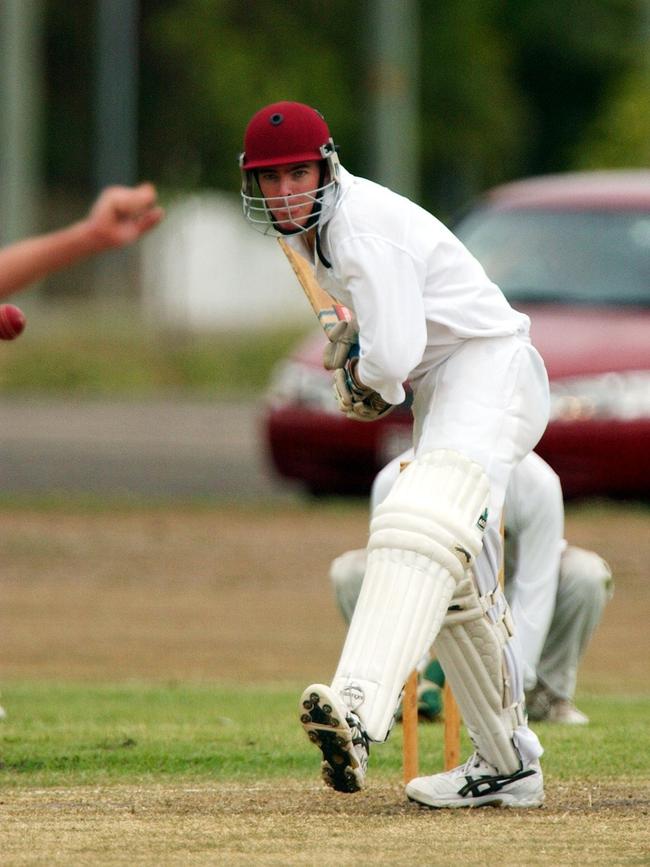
(595, 257)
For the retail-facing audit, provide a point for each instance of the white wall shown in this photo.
(206, 267)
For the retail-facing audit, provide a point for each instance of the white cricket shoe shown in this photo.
(478, 784)
(565, 712)
(543, 706)
(339, 735)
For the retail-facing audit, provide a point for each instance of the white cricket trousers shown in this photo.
(490, 401)
(584, 588)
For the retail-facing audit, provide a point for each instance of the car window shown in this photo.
(573, 257)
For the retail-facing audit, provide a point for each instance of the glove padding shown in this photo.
(344, 342)
(358, 401)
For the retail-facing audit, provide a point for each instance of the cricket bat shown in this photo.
(328, 311)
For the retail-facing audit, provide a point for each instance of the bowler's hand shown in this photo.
(121, 215)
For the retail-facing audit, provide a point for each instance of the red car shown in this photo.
(573, 252)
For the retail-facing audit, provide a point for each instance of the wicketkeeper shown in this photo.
(424, 311)
(557, 592)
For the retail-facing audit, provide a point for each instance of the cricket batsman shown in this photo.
(424, 310)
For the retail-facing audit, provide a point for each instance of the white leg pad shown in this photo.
(423, 536)
(473, 649)
(346, 575)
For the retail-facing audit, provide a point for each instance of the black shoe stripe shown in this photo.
(486, 784)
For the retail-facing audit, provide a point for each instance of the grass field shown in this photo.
(80, 353)
(62, 734)
(152, 660)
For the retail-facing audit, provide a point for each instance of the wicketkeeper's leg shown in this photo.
(584, 587)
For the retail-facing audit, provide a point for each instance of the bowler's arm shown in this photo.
(119, 216)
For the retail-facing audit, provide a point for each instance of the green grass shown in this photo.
(91, 356)
(67, 734)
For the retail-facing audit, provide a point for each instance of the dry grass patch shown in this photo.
(286, 823)
(232, 594)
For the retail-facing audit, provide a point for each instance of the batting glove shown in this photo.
(344, 343)
(356, 400)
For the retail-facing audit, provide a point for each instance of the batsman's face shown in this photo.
(290, 192)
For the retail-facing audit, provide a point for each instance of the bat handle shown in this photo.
(345, 315)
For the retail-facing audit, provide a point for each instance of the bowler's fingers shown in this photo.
(131, 203)
(149, 218)
(122, 214)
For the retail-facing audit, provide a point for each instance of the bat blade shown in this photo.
(328, 311)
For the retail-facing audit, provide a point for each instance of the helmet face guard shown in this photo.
(281, 134)
(259, 211)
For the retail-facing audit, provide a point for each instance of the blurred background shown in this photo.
(438, 100)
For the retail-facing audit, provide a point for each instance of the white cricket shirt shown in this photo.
(415, 288)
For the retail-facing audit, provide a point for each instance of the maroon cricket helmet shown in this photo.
(285, 132)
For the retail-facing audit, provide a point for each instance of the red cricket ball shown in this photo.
(12, 321)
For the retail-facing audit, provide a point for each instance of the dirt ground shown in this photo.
(240, 593)
(287, 823)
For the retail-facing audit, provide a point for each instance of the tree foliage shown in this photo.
(620, 135)
(567, 58)
(507, 87)
(213, 64)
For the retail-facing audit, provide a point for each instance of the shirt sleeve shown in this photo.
(385, 283)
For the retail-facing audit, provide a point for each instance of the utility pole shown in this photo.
(116, 127)
(116, 93)
(394, 73)
(20, 98)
